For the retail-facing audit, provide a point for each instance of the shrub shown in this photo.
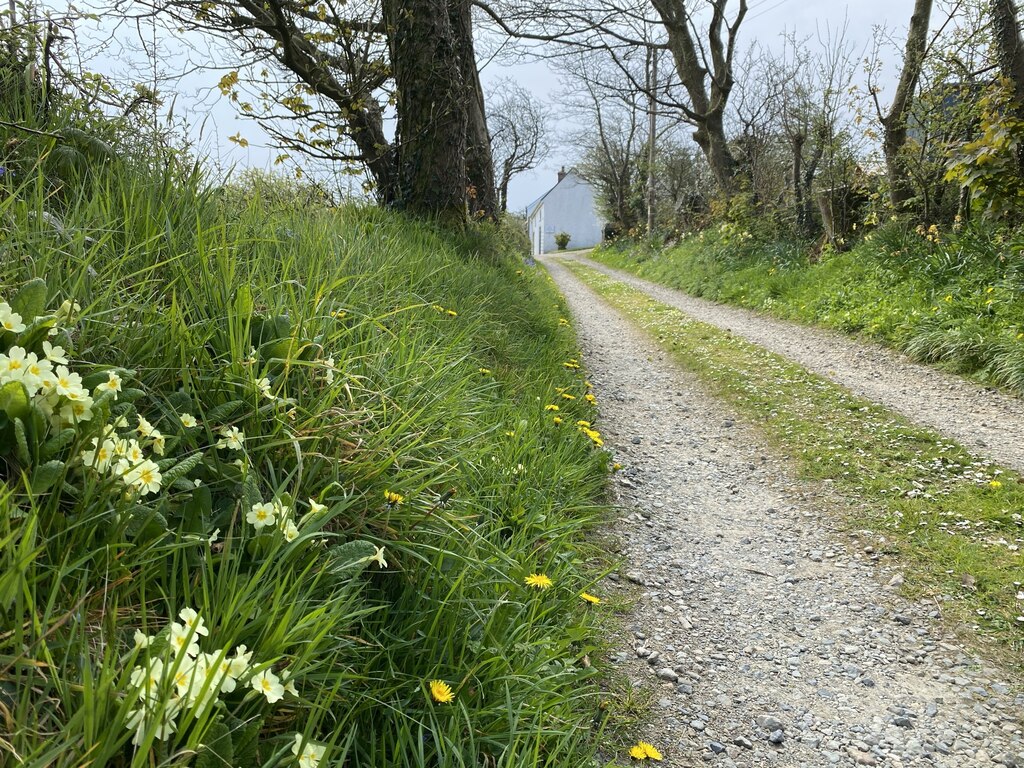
(562, 240)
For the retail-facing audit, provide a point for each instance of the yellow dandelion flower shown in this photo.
(557, 420)
(567, 396)
(594, 435)
(995, 484)
(538, 581)
(590, 398)
(393, 498)
(649, 750)
(582, 423)
(441, 692)
(562, 321)
(485, 371)
(551, 407)
(453, 313)
(592, 599)
(637, 752)
(616, 467)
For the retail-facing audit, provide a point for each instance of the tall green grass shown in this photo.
(955, 299)
(393, 374)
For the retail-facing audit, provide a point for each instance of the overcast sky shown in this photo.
(214, 119)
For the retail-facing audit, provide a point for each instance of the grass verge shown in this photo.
(278, 486)
(953, 519)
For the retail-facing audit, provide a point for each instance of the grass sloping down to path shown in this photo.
(953, 519)
(289, 491)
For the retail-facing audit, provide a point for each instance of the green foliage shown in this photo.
(562, 240)
(990, 166)
(378, 390)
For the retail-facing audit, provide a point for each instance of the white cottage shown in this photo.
(569, 206)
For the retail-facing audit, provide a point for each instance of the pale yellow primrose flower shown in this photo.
(188, 420)
(183, 640)
(112, 384)
(269, 684)
(310, 754)
(54, 354)
(145, 477)
(290, 530)
(194, 621)
(261, 515)
(9, 319)
(233, 438)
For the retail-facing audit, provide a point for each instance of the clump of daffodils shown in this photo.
(184, 679)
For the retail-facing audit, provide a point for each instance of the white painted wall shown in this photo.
(570, 206)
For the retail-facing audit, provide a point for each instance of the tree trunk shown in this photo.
(895, 122)
(652, 126)
(696, 68)
(432, 119)
(367, 128)
(1010, 55)
(506, 177)
(479, 164)
(797, 140)
(710, 137)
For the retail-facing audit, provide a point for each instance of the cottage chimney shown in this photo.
(561, 173)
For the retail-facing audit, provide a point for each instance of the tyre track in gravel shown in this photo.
(987, 422)
(764, 631)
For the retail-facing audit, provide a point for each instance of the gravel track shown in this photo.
(985, 421)
(769, 636)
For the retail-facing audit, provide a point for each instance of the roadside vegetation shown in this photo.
(955, 298)
(282, 482)
(953, 519)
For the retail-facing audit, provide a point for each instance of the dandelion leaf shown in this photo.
(243, 302)
(30, 301)
(196, 512)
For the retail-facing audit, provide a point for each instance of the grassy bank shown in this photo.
(278, 486)
(953, 520)
(956, 298)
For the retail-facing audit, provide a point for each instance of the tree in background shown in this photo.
(520, 134)
(332, 69)
(894, 120)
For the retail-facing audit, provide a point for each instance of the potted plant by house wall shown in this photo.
(562, 240)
